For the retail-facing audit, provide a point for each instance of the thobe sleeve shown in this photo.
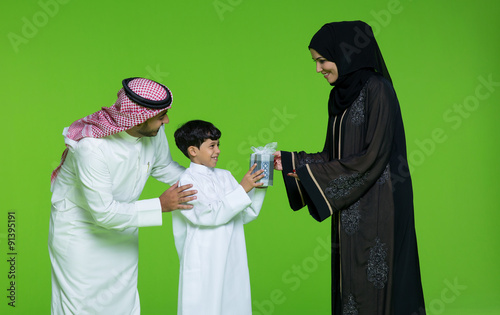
(252, 212)
(165, 169)
(334, 185)
(92, 170)
(215, 210)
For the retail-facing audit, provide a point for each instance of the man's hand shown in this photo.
(174, 197)
(249, 180)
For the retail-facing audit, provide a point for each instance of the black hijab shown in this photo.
(353, 48)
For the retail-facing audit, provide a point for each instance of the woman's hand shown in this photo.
(293, 174)
(279, 167)
(277, 161)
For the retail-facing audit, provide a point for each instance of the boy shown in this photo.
(210, 240)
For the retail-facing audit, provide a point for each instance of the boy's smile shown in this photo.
(207, 154)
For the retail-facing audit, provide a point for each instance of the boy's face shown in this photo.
(207, 154)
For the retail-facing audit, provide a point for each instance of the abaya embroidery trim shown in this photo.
(377, 270)
(319, 189)
(341, 186)
(350, 218)
(385, 176)
(340, 132)
(350, 308)
(296, 181)
(357, 112)
(333, 134)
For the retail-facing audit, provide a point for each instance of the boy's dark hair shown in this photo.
(195, 132)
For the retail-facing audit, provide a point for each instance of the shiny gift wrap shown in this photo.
(264, 158)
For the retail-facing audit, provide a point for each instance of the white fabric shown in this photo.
(210, 241)
(95, 215)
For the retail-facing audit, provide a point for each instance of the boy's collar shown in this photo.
(199, 168)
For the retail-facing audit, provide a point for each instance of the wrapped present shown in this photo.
(264, 158)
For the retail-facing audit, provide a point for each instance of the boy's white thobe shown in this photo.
(210, 241)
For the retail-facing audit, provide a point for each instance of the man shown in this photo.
(95, 214)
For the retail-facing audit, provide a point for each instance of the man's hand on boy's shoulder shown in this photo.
(175, 198)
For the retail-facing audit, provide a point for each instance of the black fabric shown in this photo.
(362, 182)
(362, 177)
(293, 187)
(353, 48)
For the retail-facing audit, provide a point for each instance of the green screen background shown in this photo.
(244, 65)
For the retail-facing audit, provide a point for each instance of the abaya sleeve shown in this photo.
(290, 162)
(327, 187)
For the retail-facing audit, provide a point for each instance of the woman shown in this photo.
(360, 178)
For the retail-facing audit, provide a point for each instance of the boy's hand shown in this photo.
(249, 180)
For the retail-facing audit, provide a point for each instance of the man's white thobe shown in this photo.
(210, 241)
(95, 216)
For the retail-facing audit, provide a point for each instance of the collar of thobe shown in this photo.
(122, 135)
(125, 136)
(201, 169)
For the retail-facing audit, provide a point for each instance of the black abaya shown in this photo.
(361, 179)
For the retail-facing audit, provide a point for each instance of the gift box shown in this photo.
(264, 158)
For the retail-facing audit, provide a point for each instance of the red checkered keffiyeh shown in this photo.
(123, 115)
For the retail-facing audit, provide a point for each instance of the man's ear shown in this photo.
(192, 150)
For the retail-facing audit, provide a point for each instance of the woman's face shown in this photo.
(327, 68)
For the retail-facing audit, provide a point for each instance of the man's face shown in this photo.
(150, 127)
